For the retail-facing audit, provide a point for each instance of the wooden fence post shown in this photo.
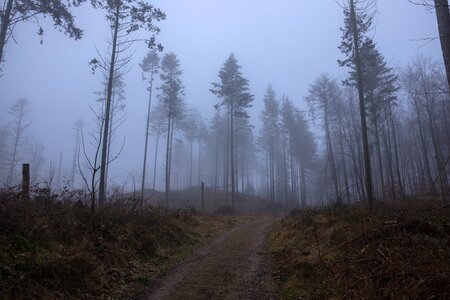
(26, 187)
(203, 197)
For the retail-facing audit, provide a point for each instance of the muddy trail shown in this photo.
(233, 265)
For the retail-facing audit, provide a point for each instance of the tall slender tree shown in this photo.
(125, 17)
(77, 128)
(233, 89)
(150, 66)
(357, 22)
(158, 123)
(324, 94)
(171, 92)
(269, 135)
(305, 149)
(202, 135)
(190, 128)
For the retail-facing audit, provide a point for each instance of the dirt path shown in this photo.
(231, 266)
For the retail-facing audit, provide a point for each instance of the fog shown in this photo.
(285, 43)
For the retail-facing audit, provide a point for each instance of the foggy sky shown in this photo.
(287, 43)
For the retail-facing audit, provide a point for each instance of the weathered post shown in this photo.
(26, 187)
(203, 197)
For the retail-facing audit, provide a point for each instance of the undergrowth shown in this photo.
(64, 251)
(397, 251)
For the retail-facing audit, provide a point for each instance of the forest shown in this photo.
(142, 179)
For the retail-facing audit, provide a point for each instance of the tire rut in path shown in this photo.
(232, 266)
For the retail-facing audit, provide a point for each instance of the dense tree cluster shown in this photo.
(380, 133)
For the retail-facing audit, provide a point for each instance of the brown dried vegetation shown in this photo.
(398, 251)
(63, 251)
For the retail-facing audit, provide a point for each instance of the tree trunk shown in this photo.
(227, 173)
(380, 160)
(302, 184)
(108, 152)
(216, 164)
(437, 154)
(443, 20)
(5, 24)
(331, 158)
(191, 159)
(170, 150)
(144, 165)
(236, 169)
(272, 174)
(293, 186)
(362, 110)
(102, 188)
(397, 156)
(232, 155)
(425, 151)
(344, 167)
(199, 162)
(268, 177)
(167, 189)
(285, 172)
(386, 137)
(156, 160)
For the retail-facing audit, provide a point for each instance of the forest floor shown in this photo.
(396, 251)
(63, 251)
(233, 265)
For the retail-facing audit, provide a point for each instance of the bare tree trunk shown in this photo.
(144, 165)
(293, 186)
(302, 184)
(199, 162)
(380, 160)
(156, 160)
(168, 161)
(236, 169)
(75, 156)
(425, 150)
(344, 167)
(108, 155)
(269, 195)
(243, 165)
(397, 156)
(443, 20)
(102, 188)
(285, 172)
(227, 174)
(355, 149)
(170, 151)
(191, 159)
(386, 137)
(232, 156)
(272, 174)
(216, 150)
(331, 158)
(5, 24)
(437, 154)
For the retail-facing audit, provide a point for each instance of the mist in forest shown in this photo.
(253, 97)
